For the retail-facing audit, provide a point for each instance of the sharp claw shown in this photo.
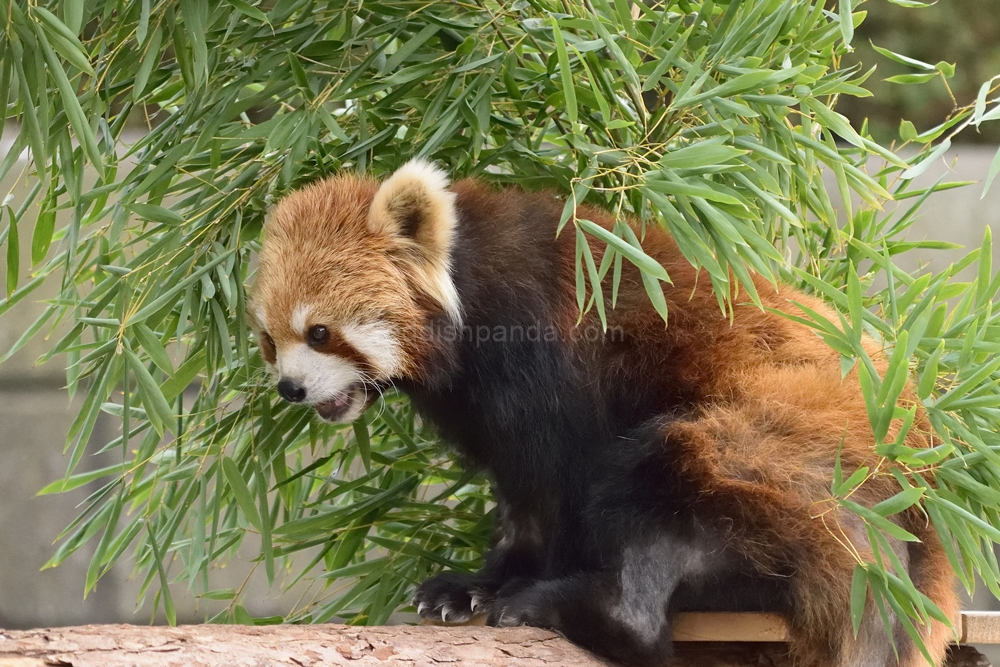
(444, 613)
(421, 607)
(476, 600)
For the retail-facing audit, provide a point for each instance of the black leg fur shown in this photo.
(622, 614)
(577, 608)
(617, 598)
(517, 555)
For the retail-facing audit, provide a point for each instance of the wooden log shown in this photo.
(287, 646)
(703, 640)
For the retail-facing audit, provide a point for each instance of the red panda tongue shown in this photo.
(335, 407)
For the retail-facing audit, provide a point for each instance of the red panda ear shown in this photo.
(415, 207)
(415, 204)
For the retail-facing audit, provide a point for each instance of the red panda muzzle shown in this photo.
(333, 409)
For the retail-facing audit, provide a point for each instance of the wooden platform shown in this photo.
(975, 627)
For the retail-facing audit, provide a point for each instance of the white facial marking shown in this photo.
(376, 341)
(322, 375)
(261, 318)
(299, 318)
(328, 376)
(355, 410)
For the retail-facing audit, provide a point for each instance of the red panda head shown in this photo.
(348, 275)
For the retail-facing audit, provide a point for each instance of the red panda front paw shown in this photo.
(452, 597)
(527, 607)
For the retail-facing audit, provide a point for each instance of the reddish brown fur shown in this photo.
(293, 266)
(777, 411)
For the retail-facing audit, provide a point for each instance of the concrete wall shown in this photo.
(960, 215)
(35, 414)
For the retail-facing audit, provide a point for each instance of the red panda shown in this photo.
(639, 471)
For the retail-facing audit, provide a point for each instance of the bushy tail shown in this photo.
(821, 627)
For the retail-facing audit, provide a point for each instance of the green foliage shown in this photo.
(712, 119)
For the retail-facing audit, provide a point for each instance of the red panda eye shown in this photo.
(318, 335)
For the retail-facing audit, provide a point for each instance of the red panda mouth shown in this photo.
(333, 409)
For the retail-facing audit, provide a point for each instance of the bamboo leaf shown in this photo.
(73, 15)
(644, 262)
(912, 78)
(364, 443)
(157, 214)
(168, 604)
(13, 253)
(154, 348)
(81, 479)
(899, 502)
(983, 294)
(905, 60)
(157, 409)
(924, 164)
(859, 590)
(77, 118)
(846, 21)
(41, 239)
(150, 58)
(241, 492)
(565, 73)
(702, 154)
(64, 39)
(249, 10)
(879, 522)
(994, 169)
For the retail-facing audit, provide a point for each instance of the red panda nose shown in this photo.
(291, 391)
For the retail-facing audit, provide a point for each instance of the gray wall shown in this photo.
(35, 414)
(960, 215)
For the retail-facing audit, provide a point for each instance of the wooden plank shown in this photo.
(980, 627)
(702, 627)
(730, 627)
(975, 627)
